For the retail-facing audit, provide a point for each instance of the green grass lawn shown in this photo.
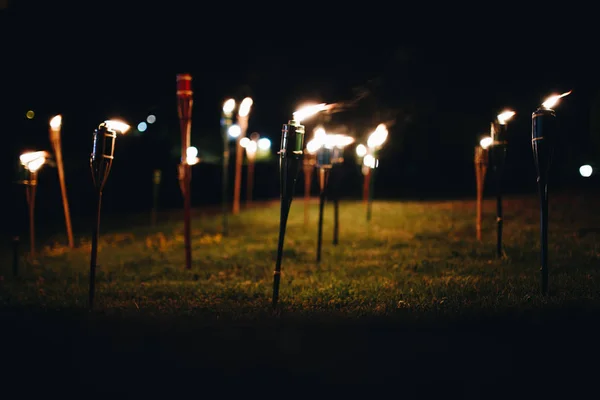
(413, 257)
(413, 284)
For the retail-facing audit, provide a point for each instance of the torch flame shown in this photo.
(310, 110)
(378, 136)
(245, 107)
(486, 142)
(116, 125)
(341, 141)
(33, 160)
(228, 106)
(318, 140)
(56, 122)
(552, 101)
(505, 116)
(312, 146)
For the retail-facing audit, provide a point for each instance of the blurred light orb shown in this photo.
(264, 144)
(142, 126)
(191, 155)
(151, 119)
(244, 142)
(30, 114)
(486, 142)
(361, 150)
(234, 131)
(251, 147)
(191, 152)
(586, 171)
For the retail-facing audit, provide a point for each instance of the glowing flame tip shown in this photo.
(553, 100)
(56, 122)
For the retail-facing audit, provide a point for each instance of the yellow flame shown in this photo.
(56, 122)
(342, 141)
(33, 160)
(377, 137)
(320, 133)
(228, 106)
(310, 110)
(505, 116)
(486, 142)
(312, 146)
(245, 107)
(117, 125)
(552, 101)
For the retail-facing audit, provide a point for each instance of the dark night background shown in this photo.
(439, 74)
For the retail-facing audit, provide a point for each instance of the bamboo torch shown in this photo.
(55, 130)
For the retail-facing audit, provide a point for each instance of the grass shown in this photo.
(414, 283)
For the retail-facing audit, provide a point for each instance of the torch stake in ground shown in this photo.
(336, 205)
(324, 171)
(156, 177)
(498, 158)
(184, 108)
(334, 194)
(308, 167)
(100, 163)
(32, 162)
(481, 161)
(543, 133)
(374, 142)
(226, 122)
(30, 190)
(290, 161)
(370, 188)
(55, 140)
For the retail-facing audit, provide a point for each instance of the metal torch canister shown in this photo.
(292, 140)
(103, 150)
(543, 131)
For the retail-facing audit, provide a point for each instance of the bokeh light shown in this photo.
(264, 144)
(30, 114)
(586, 171)
(142, 126)
(486, 142)
(234, 131)
(151, 119)
(361, 150)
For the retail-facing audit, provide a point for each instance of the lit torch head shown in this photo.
(56, 122)
(310, 110)
(228, 107)
(505, 116)
(543, 120)
(104, 148)
(553, 100)
(292, 140)
(33, 161)
(245, 106)
(499, 128)
(486, 142)
(184, 96)
(377, 137)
